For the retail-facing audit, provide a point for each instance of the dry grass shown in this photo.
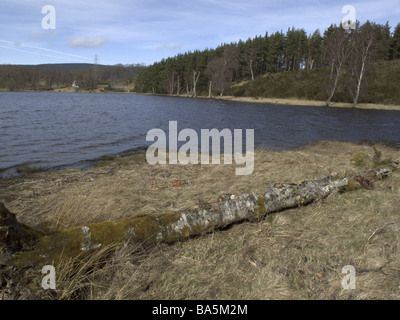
(296, 254)
(313, 103)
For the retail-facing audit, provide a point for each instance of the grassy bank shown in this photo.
(295, 254)
(379, 86)
(313, 103)
(293, 102)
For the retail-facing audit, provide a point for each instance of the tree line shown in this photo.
(337, 51)
(49, 77)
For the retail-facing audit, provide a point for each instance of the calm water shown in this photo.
(40, 129)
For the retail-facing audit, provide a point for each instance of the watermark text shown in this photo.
(188, 152)
(49, 20)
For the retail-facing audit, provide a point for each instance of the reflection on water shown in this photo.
(41, 129)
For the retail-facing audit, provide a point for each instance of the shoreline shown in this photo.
(313, 103)
(287, 102)
(27, 172)
(277, 101)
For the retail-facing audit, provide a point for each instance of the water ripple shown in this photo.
(65, 129)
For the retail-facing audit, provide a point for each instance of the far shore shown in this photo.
(292, 102)
(279, 101)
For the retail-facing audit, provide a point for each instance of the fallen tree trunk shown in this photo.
(176, 226)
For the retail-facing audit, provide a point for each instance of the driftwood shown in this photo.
(171, 227)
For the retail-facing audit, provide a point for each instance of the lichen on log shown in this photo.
(171, 227)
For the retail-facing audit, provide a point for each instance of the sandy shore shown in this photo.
(313, 103)
(293, 102)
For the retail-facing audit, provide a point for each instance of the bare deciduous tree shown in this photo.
(220, 70)
(338, 49)
(250, 57)
(178, 84)
(214, 70)
(196, 75)
(169, 82)
(364, 48)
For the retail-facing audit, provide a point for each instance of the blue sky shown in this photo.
(145, 31)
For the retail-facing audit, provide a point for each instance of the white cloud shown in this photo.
(88, 43)
(169, 46)
(42, 35)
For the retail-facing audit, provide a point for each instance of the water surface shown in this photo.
(53, 129)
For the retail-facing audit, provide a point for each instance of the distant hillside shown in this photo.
(62, 66)
(84, 76)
